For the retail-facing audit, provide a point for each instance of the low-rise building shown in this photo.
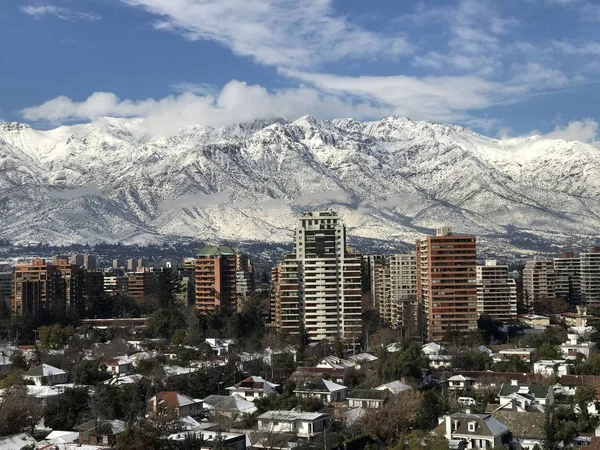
(577, 319)
(45, 374)
(573, 346)
(525, 395)
(119, 365)
(228, 405)
(524, 354)
(551, 367)
(460, 383)
(395, 387)
(368, 398)
(17, 441)
(324, 390)
(213, 439)
(526, 429)
(172, 400)
(474, 431)
(103, 432)
(535, 321)
(252, 388)
(302, 424)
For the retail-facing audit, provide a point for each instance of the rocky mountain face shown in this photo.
(392, 180)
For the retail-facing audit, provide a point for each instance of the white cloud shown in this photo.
(288, 33)
(236, 102)
(580, 130)
(40, 11)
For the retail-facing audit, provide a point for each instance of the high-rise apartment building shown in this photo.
(115, 283)
(538, 281)
(590, 278)
(140, 284)
(6, 287)
(73, 283)
(76, 259)
(215, 277)
(496, 292)
(381, 293)
(244, 279)
(36, 287)
(89, 261)
(319, 285)
(446, 283)
(403, 291)
(567, 278)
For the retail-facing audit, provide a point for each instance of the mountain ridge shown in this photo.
(391, 179)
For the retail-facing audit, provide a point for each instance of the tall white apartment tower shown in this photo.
(321, 282)
(496, 292)
(590, 278)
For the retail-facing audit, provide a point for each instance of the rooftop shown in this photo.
(291, 416)
(44, 370)
(216, 250)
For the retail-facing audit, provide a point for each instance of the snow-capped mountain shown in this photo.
(393, 179)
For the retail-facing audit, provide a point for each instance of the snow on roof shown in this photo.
(16, 441)
(363, 357)
(395, 387)
(460, 378)
(44, 370)
(255, 383)
(290, 416)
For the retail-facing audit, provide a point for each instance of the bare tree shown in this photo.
(18, 411)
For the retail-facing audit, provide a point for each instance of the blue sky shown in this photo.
(501, 67)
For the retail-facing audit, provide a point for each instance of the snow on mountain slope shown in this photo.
(392, 179)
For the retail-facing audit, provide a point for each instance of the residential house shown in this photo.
(361, 360)
(324, 390)
(524, 354)
(172, 400)
(570, 383)
(214, 439)
(552, 367)
(17, 441)
(535, 321)
(252, 388)
(219, 346)
(573, 346)
(578, 319)
(368, 398)
(460, 383)
(119, 365)
(333, 362)
(527, 429)
(525, 395)
(302, 424)
(395, 387)
(497, 379)
(436, 354)
(45, 374)
(228, 405)
(304, 374)
(475, 431)
(103, 433)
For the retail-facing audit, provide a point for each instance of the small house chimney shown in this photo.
(514, 382)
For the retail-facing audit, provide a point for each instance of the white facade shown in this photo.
(552, 367)
(46, 374)
(302, 424)
(573, 346)
(496, 292)
(320, 284)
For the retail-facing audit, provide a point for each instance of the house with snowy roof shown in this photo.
(252, 388)
(228, 405)
(45, 374)
(301, 424)
(324, 390)
(460, 383)
(395, 387)
(523, 396)
(103, 432)
(172, 400)
(474, 431)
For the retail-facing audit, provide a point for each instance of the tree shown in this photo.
(584, 395)
(67, 410)
(429, 411)
(89, 372)
(18, 411)
(548, 351)
(421, 440)
(388, 423)
(19, 362)
(54, 336)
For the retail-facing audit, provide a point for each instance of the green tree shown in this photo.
(54, 336)
(19, 362)
(548, 351)
(89, 372)
(67, 410)
(429, 410)
(421, 440)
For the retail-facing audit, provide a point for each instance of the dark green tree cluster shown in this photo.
(407, 363)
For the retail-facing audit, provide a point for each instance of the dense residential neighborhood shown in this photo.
(335, 350)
